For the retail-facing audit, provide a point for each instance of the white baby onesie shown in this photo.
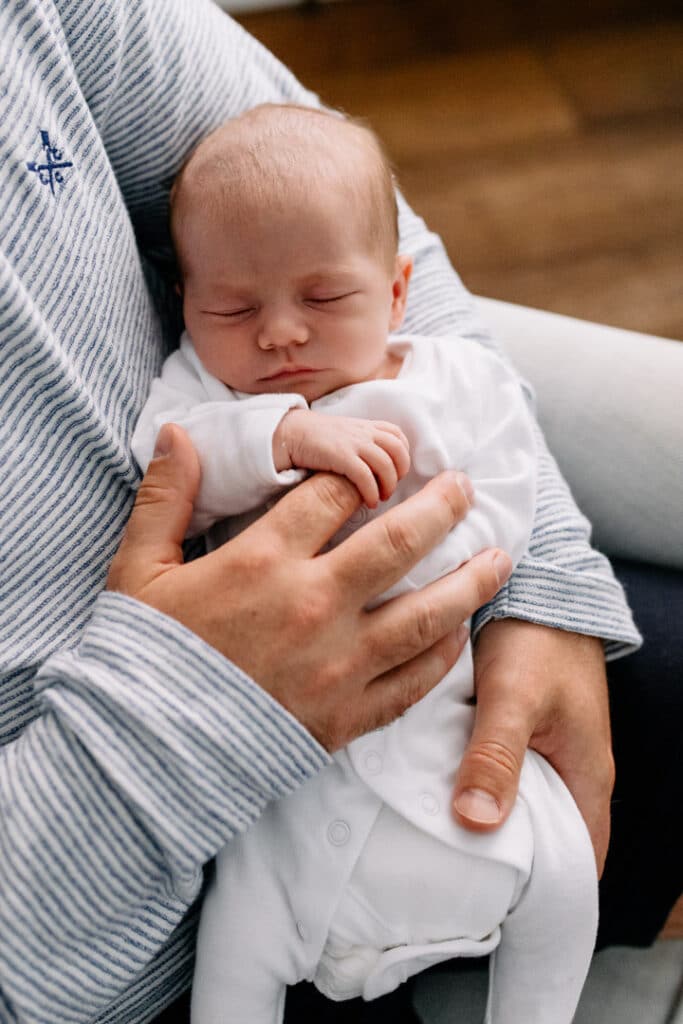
(362, 878)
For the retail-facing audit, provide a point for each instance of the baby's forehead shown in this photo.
(278, 157)
(270, 144)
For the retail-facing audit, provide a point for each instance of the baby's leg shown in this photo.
(412, 901)
(539, 968)
(248, 950)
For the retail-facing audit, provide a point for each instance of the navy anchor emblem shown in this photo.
(50, 171)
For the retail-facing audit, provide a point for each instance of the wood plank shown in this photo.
(618, 73)
(553, 224)
(374, 33)
(426, 108)
(557, 196)
(640, 290)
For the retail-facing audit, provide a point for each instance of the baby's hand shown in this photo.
(372, 454)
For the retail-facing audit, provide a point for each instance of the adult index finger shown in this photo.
(398, 631)
(308, 517)
(383, 551)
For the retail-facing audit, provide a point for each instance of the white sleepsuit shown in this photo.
(362, 878)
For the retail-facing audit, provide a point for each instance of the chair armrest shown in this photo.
(610, 403)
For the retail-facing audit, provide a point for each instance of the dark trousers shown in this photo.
(644, 871)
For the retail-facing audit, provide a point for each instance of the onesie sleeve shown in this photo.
(232, 435)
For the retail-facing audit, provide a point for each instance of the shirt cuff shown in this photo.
(591, 604)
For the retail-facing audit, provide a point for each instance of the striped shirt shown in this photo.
(131, 751)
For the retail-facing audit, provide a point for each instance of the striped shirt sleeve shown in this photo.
(150, 753)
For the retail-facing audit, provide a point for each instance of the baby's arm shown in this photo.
(232, 437)
(482, 427)
(373, 454)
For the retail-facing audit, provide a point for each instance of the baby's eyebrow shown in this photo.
(221, 289)
(329, 275)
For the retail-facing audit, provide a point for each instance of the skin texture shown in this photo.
(339, 669)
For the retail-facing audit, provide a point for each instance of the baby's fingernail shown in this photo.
(477, 805)
(502, 565)
(465, 486)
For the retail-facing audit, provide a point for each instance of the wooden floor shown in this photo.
(548, 154)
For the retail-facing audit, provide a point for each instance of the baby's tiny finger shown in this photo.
(398, 452)
(363, 476)
(383, 467)
(392, 428)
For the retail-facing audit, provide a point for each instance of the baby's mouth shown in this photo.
(289, 371)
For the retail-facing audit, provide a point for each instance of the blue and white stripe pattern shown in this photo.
(130, 750)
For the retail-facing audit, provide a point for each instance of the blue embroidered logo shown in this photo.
(50, 171)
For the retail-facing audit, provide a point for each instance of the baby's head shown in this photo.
(284, 222)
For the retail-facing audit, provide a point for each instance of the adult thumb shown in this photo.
(161, 515)
(488, 777)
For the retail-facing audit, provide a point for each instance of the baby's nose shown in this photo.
(283, 330)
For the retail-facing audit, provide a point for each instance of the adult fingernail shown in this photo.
(477, 805)
(502, 565)
(465, 485)
(462, 634)
(164, 442)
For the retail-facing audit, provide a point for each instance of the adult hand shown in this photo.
(546, 689)
(294, 619)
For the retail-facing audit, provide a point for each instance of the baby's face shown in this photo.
(290, 299)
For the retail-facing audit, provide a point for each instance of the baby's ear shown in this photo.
(403, 268)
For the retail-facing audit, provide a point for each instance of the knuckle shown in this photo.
(426, 625)
(336, 494)
(401, 698)
(454, 501)
(485, 584)
(494, 758)
(310, 611)
(152, 493)
(250, 559)
(402, 537)
(412, 689)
